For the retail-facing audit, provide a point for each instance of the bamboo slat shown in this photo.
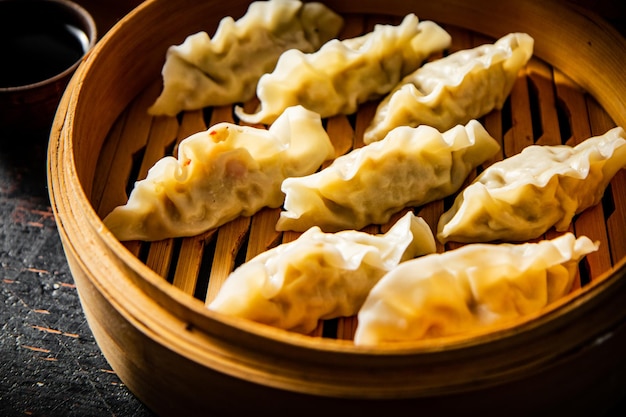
(615, 197)
(229, 240)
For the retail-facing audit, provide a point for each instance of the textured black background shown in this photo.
(50, 364)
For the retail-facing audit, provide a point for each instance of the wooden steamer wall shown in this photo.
(145, 302)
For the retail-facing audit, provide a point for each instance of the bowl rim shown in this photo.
(89, 25)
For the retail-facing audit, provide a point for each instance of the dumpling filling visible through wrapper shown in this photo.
(220, 174)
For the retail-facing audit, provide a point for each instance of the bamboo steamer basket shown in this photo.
(145, 303)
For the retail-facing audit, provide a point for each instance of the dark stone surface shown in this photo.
(50, 364)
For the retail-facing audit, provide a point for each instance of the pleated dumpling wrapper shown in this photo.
(220, 174)
(469, 288)
(319, 275)
(345, 73)
(410, 167)
(225, 69)
(452, 90)
(523, 196)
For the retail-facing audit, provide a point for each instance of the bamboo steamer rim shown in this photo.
(585, 36)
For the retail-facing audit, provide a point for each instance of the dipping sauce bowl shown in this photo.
(42, 44)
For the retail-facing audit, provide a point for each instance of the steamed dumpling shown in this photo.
(223, 70)
(344, 74)
(464, 85)
(410, 167)
(469, 288)
(521, 197)
(319, 275)
(220, 174)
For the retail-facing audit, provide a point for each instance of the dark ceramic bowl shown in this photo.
(42, 42)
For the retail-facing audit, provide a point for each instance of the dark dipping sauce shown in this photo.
(37, 44)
